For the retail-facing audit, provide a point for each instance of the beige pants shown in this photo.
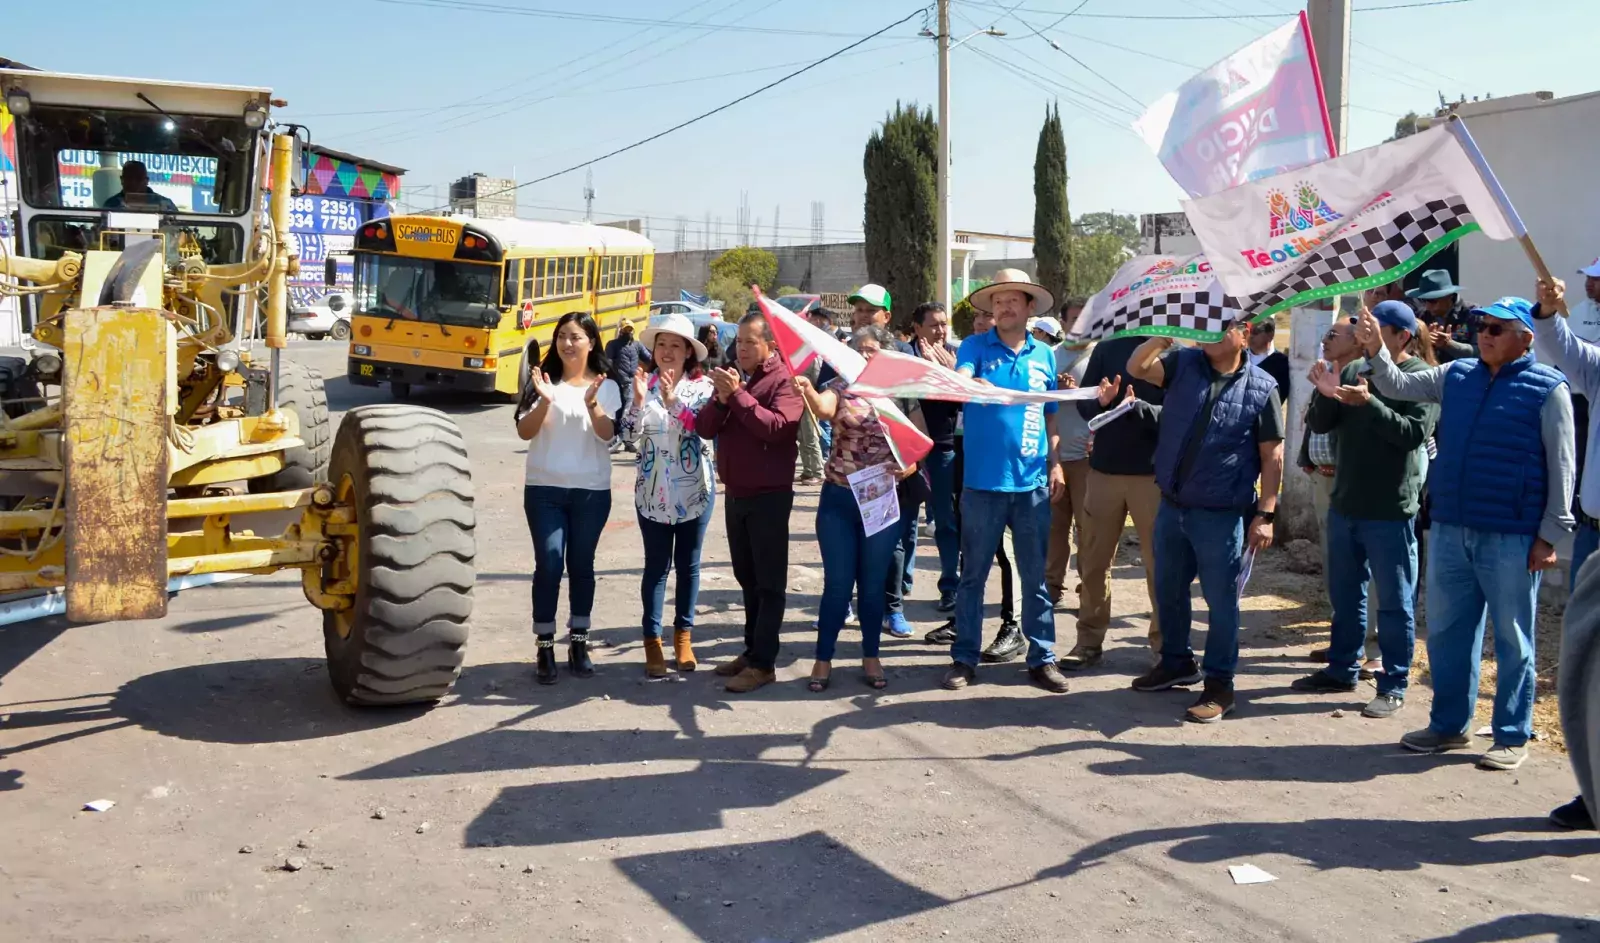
(810, 446)
(1108, 501)
(1066, 516)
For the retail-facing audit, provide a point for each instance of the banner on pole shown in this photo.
(898, 375)
(1348, 224)
(1158, 295)
(1258, 112)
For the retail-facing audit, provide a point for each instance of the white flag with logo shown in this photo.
(1348, 224)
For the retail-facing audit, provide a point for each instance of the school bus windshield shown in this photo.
(459, 293)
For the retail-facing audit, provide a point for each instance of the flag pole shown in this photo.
(1458, 128)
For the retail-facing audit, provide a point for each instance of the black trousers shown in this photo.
(1008, 602)
(758, 541)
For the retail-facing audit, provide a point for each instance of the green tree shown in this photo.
(1406, 126)
(900, 214)
(1125, 226)
(733, 292)
(961, 318)
(1094, 260)
(1052, 223)
(785, 290)
(747, 264)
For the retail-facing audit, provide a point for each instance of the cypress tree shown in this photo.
(1052, 223)
(900, 213)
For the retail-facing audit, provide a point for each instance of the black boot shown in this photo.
(544, 669)
(1006, 646)
(578, 655)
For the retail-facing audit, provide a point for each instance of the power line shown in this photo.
(1083, 65)
(1058, 89)
(720, 108)
(476, 6)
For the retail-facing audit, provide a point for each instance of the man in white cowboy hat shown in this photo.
(1011, 474)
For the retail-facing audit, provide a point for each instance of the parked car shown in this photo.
(699, 316)
(327, 316)
(800, 304)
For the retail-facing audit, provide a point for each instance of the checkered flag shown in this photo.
(1370, 256)
(1160, 296)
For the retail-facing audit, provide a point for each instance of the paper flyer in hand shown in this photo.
(876, 497)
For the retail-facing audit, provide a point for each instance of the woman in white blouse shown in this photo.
(566, 417)
(673, 493)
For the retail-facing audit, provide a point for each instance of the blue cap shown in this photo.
(1510, 308)
(1396, 314)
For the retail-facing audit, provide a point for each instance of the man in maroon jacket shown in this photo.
(755, 418)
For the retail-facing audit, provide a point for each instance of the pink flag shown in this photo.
(800, 342)
(1257, 113)
(904, 377)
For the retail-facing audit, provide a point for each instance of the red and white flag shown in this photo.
(901, 376)
(800, 342)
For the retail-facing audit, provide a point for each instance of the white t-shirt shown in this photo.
(566, 453)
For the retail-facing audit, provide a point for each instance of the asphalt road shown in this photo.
(613, 809)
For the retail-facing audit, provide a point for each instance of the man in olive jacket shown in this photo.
(1380, 454)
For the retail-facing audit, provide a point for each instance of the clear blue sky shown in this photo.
(443, 90)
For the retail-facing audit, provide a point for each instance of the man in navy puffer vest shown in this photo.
(1501, 493)
(1221, 430)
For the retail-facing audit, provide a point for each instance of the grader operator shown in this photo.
(146, 419)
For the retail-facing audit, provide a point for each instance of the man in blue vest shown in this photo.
(1011, 475)
(1501, 492)
(1221, 430)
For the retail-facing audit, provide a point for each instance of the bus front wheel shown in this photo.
(530, 359)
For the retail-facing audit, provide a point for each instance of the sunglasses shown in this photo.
(1495, 328)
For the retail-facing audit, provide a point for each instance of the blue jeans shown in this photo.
(566, 525)
(674, 547)
(852, 562)
(1584, 543)
(1390, 547)
(946, 531)
(825, 437)
(1209, 544)
(898, 583)
(1473, 574)
(984, 517)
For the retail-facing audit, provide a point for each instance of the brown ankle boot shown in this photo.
(730, 669)
(682, 651)
(655, 661)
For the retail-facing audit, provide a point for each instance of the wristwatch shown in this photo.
(1268, 516)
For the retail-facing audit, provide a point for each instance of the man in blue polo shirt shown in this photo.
(1011, 475)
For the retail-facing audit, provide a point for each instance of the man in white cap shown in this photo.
(1011, 474)
(1583, 318)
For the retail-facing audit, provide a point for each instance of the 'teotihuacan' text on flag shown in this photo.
(1169, 296)
(1351, 223)
(800, 342)
(1256, 113)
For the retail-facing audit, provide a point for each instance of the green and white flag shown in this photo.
(1351, 223)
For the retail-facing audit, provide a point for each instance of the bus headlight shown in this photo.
(474, 363)
(361, 350)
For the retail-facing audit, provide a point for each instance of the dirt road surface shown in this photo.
(612, 809)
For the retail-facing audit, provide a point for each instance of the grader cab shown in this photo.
(151, 239)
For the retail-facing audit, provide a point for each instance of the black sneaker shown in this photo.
(943, 635)
(1320, 682)
(958, 677)
(947, 604)
(1573, 815)
(1160, 679)
(1006, 646)
(1050, 678)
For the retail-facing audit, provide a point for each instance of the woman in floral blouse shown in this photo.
(673, 493)
(852, 561)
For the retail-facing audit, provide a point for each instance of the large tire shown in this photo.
(300, 391)
(530, 358)
(404, 469)
(16, 383)
(341, 330)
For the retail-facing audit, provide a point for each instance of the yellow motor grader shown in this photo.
(151, 238)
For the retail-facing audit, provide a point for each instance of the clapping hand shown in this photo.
(1108, 390)
(727, 382)
(591, 396)
(667, 388)
(542, 387)
(1324, 380)
(936, 353)
(1357, 395)
(641, 386)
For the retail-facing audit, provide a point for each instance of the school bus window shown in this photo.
(509, 291)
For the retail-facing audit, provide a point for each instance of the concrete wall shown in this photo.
(1544, 156)
(837, 267)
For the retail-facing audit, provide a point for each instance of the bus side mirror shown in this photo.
(491, 318)
(330, 272)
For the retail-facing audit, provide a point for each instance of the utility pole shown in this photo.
(1330, 37)
(588, 196)
(943, 168)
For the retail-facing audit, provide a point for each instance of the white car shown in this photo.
(327, 316)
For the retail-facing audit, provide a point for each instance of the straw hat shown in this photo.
(1011, 279)
(674, 323)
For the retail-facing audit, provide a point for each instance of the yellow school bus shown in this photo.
(469, 304)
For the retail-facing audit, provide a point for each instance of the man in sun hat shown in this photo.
(1451, 326)
(1011, 474)
(1501, 492)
